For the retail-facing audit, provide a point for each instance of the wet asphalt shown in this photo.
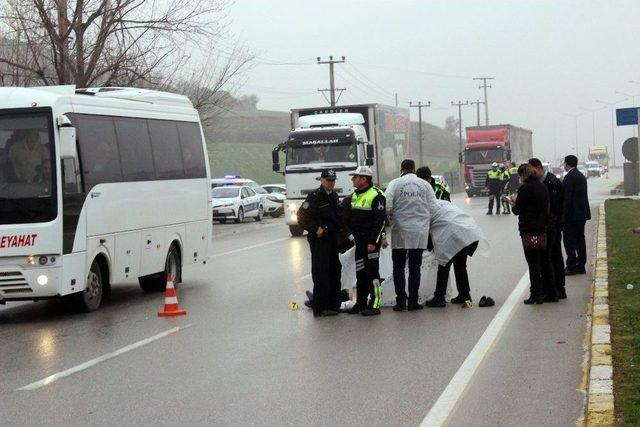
(246, 358)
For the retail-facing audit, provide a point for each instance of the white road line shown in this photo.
(446, 403)
(270, 242)
(55, 377)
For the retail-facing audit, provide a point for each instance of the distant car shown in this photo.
(273, 202)
(594, 169)
(275, 188)
(236, 203)
(558, 171)
(583, 170)
(441, 179)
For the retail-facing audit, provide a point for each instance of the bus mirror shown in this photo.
(275, 159)
(368, 161)
(68, 143)
(370, 153)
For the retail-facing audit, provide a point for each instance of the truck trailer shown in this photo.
(340, 138)
(502, 144)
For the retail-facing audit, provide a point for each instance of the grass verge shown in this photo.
(623, 251)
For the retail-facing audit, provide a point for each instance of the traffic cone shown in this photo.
(171, 301)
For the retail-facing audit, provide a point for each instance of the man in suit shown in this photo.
(576, 213)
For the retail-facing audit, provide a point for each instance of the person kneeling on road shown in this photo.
(320, 216)
(365, 217)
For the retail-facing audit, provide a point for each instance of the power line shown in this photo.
(410, 70)
(486, 102)
(420, 106)
(332, 86)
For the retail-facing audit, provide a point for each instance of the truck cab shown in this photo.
(328, 141)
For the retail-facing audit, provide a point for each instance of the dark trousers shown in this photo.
(494, 195)
(554, 249)
(539, 265)
(325, 272)
(575, 245)
(505, 205)
(459, 262)
(399, 257)
(367, 270)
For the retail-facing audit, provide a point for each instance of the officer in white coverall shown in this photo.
(410, 201)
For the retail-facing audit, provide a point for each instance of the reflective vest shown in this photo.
(504, 175)
(493, 174)
(439, 189)
(364, 201)
(513, 170)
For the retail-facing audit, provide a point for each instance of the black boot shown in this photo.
(436, 302)
(413, 306)
(460, 299)
(357, 308)
(534, 300)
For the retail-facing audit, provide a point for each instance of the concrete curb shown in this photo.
(600, 408)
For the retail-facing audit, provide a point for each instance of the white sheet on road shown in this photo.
(427, 279)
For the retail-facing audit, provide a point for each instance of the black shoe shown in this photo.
(489, 213)
(534, 300)
(370, 312)
(413, 306)
(569, 272)
(400, 307)
(550, 298)
(580, 270)
(356, 309)
(435, 302)
(460, 299)
(562, 294)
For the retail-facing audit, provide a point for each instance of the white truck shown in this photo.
(340, 138)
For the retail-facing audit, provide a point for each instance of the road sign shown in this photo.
(627, 116)
(630, 149)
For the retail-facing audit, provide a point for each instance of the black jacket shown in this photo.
(532, 207)
(320, 210)
(556, 197)
(367, 226)
(576, 200)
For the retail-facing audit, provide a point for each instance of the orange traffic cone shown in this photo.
(171, 301)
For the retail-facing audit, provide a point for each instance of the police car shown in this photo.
(236, 202)
(273, 204)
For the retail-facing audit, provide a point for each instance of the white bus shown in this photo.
(98, 187)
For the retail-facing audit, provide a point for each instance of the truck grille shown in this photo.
(478, 176)
(12, 282)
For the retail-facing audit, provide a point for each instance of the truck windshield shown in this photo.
(27, 169)
(483, 156)
(328, 153)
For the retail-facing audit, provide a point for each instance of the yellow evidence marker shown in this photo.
(293, 305)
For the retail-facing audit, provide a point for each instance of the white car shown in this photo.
(276, 188)
(236, 203)
(273, 202)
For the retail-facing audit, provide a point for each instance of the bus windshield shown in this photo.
(329, 153)
(27, 168)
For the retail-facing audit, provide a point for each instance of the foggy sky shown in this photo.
(550, 59)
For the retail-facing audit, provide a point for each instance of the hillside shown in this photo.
(241, 143)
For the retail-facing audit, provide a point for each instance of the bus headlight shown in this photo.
(42, 280)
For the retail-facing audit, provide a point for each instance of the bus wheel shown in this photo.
(158, 282)
(90, 299)
(296, 230)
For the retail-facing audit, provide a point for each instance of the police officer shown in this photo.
(365, 218)
(320, 216)
(504, 177)
(441, 191)
(494, 183)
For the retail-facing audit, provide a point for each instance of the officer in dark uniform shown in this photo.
(365, 217)
(320, 216)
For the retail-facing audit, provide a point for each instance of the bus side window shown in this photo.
(70, 177)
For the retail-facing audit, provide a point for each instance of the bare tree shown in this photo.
(150, 43)
(451, 125)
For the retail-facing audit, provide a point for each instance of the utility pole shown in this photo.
(332, 85)
(460, 104)
(486, 102)
(396, 99)
(477, 104)
(419, 106)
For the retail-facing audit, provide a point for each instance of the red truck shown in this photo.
(502, 144)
